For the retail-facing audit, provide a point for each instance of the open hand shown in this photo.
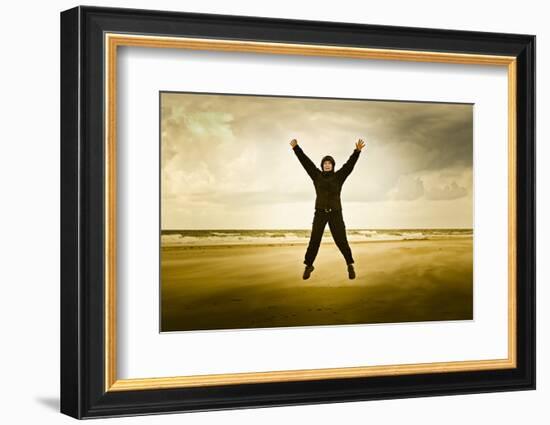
(293, 143)
(360, 144)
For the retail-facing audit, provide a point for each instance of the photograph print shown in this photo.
(284, 211)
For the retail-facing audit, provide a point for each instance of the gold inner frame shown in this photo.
(113, 41)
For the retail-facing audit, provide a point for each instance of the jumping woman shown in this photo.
(328, 208)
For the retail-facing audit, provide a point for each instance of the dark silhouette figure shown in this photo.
(328, 207)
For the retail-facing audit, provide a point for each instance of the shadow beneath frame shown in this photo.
(49, 402)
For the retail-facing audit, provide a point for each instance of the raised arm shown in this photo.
(307, 163)
(347, 168)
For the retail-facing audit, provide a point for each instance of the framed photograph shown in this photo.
(262, 212)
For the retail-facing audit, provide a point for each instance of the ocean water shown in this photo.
(270, 236)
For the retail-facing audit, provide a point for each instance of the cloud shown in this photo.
(407, 189)
(232, 151)
(248, 198)
(451, 191)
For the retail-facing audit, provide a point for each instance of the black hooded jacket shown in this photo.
(328, 184)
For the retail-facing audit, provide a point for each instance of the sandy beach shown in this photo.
(257, 286)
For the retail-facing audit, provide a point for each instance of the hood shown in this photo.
(328, 158)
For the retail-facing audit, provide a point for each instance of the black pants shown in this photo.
(337, 229)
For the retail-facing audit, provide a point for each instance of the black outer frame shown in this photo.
(82, 211)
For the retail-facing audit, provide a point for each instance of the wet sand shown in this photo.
(235, 287)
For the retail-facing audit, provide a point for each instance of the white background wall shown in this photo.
(29, 225)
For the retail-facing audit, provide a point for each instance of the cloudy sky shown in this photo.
(226, 162)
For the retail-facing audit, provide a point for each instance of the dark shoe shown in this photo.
(351, 271)
(307, 272)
